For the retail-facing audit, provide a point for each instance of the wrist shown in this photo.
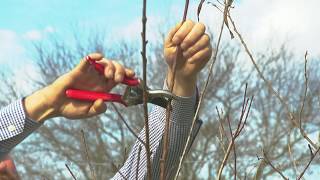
(39, 107)
(183, 86)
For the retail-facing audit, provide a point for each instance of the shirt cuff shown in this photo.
(14, 126)
(183, 108)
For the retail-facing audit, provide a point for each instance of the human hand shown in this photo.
(52, 101)
(195, 51)
(8, 169)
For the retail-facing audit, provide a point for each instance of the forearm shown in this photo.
(37, 106)
(183, 86)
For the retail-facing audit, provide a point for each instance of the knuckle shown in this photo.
(187, 42)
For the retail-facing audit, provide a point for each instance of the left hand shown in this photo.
(8, 169)
(195, 52)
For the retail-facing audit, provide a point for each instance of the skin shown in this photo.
(195, 52)
(51, 101)
(8, 170)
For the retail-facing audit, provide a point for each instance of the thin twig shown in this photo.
(145, 94)
(116, 168)
(199, 9)
(87, 155)
(73, 176)
(305, 169)
(305, 89)
(266, 160)
(291, 156)
(242, 122)
(169, 107)
(235, 161)
(221, 124)
(126, 123)
(138, 163)
(311, 152)
(291, 116)
(200, 99)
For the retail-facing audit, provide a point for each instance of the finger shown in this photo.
(201, 57)
(183, 31)
(129, 72)
(85, 64)
(109, 69)
(119, 72)
(96, 56)
(97, 108)
(172, 32)
(2, 166)
(203, 42)
(195, 34)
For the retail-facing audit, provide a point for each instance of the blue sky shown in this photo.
(23, 15)
(263, 23)
(25, 21)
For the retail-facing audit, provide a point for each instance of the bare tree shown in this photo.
(268, 133)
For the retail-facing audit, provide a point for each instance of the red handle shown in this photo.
(100, 68)
(92, 96)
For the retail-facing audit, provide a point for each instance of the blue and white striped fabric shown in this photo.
(180, 124)
(15, 127)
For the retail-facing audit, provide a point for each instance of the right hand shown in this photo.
(52, 101)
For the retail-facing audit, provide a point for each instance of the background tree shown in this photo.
(109, 141)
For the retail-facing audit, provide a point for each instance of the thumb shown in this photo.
(97, 108)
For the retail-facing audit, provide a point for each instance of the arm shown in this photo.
(21, 118)
(196, 51)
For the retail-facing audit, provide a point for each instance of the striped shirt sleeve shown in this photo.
(14, 126)
(180, 124)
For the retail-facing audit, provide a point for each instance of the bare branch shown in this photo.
(234, 136)
(145, 94)
(305, 169)
(305, 90)
(291, 116)
(169, 107)
(201, 97)
(126, 123)
(199, 9)
(266, 160)
(138, 163)
(291, 156)
(73, 176)
(87, 155)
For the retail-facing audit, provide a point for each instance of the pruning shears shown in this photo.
(133, 94)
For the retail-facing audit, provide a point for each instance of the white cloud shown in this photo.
(33, 35)
(132, 31)
(49, 29)
(10, 47)
(36, 35)
(265, 23)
